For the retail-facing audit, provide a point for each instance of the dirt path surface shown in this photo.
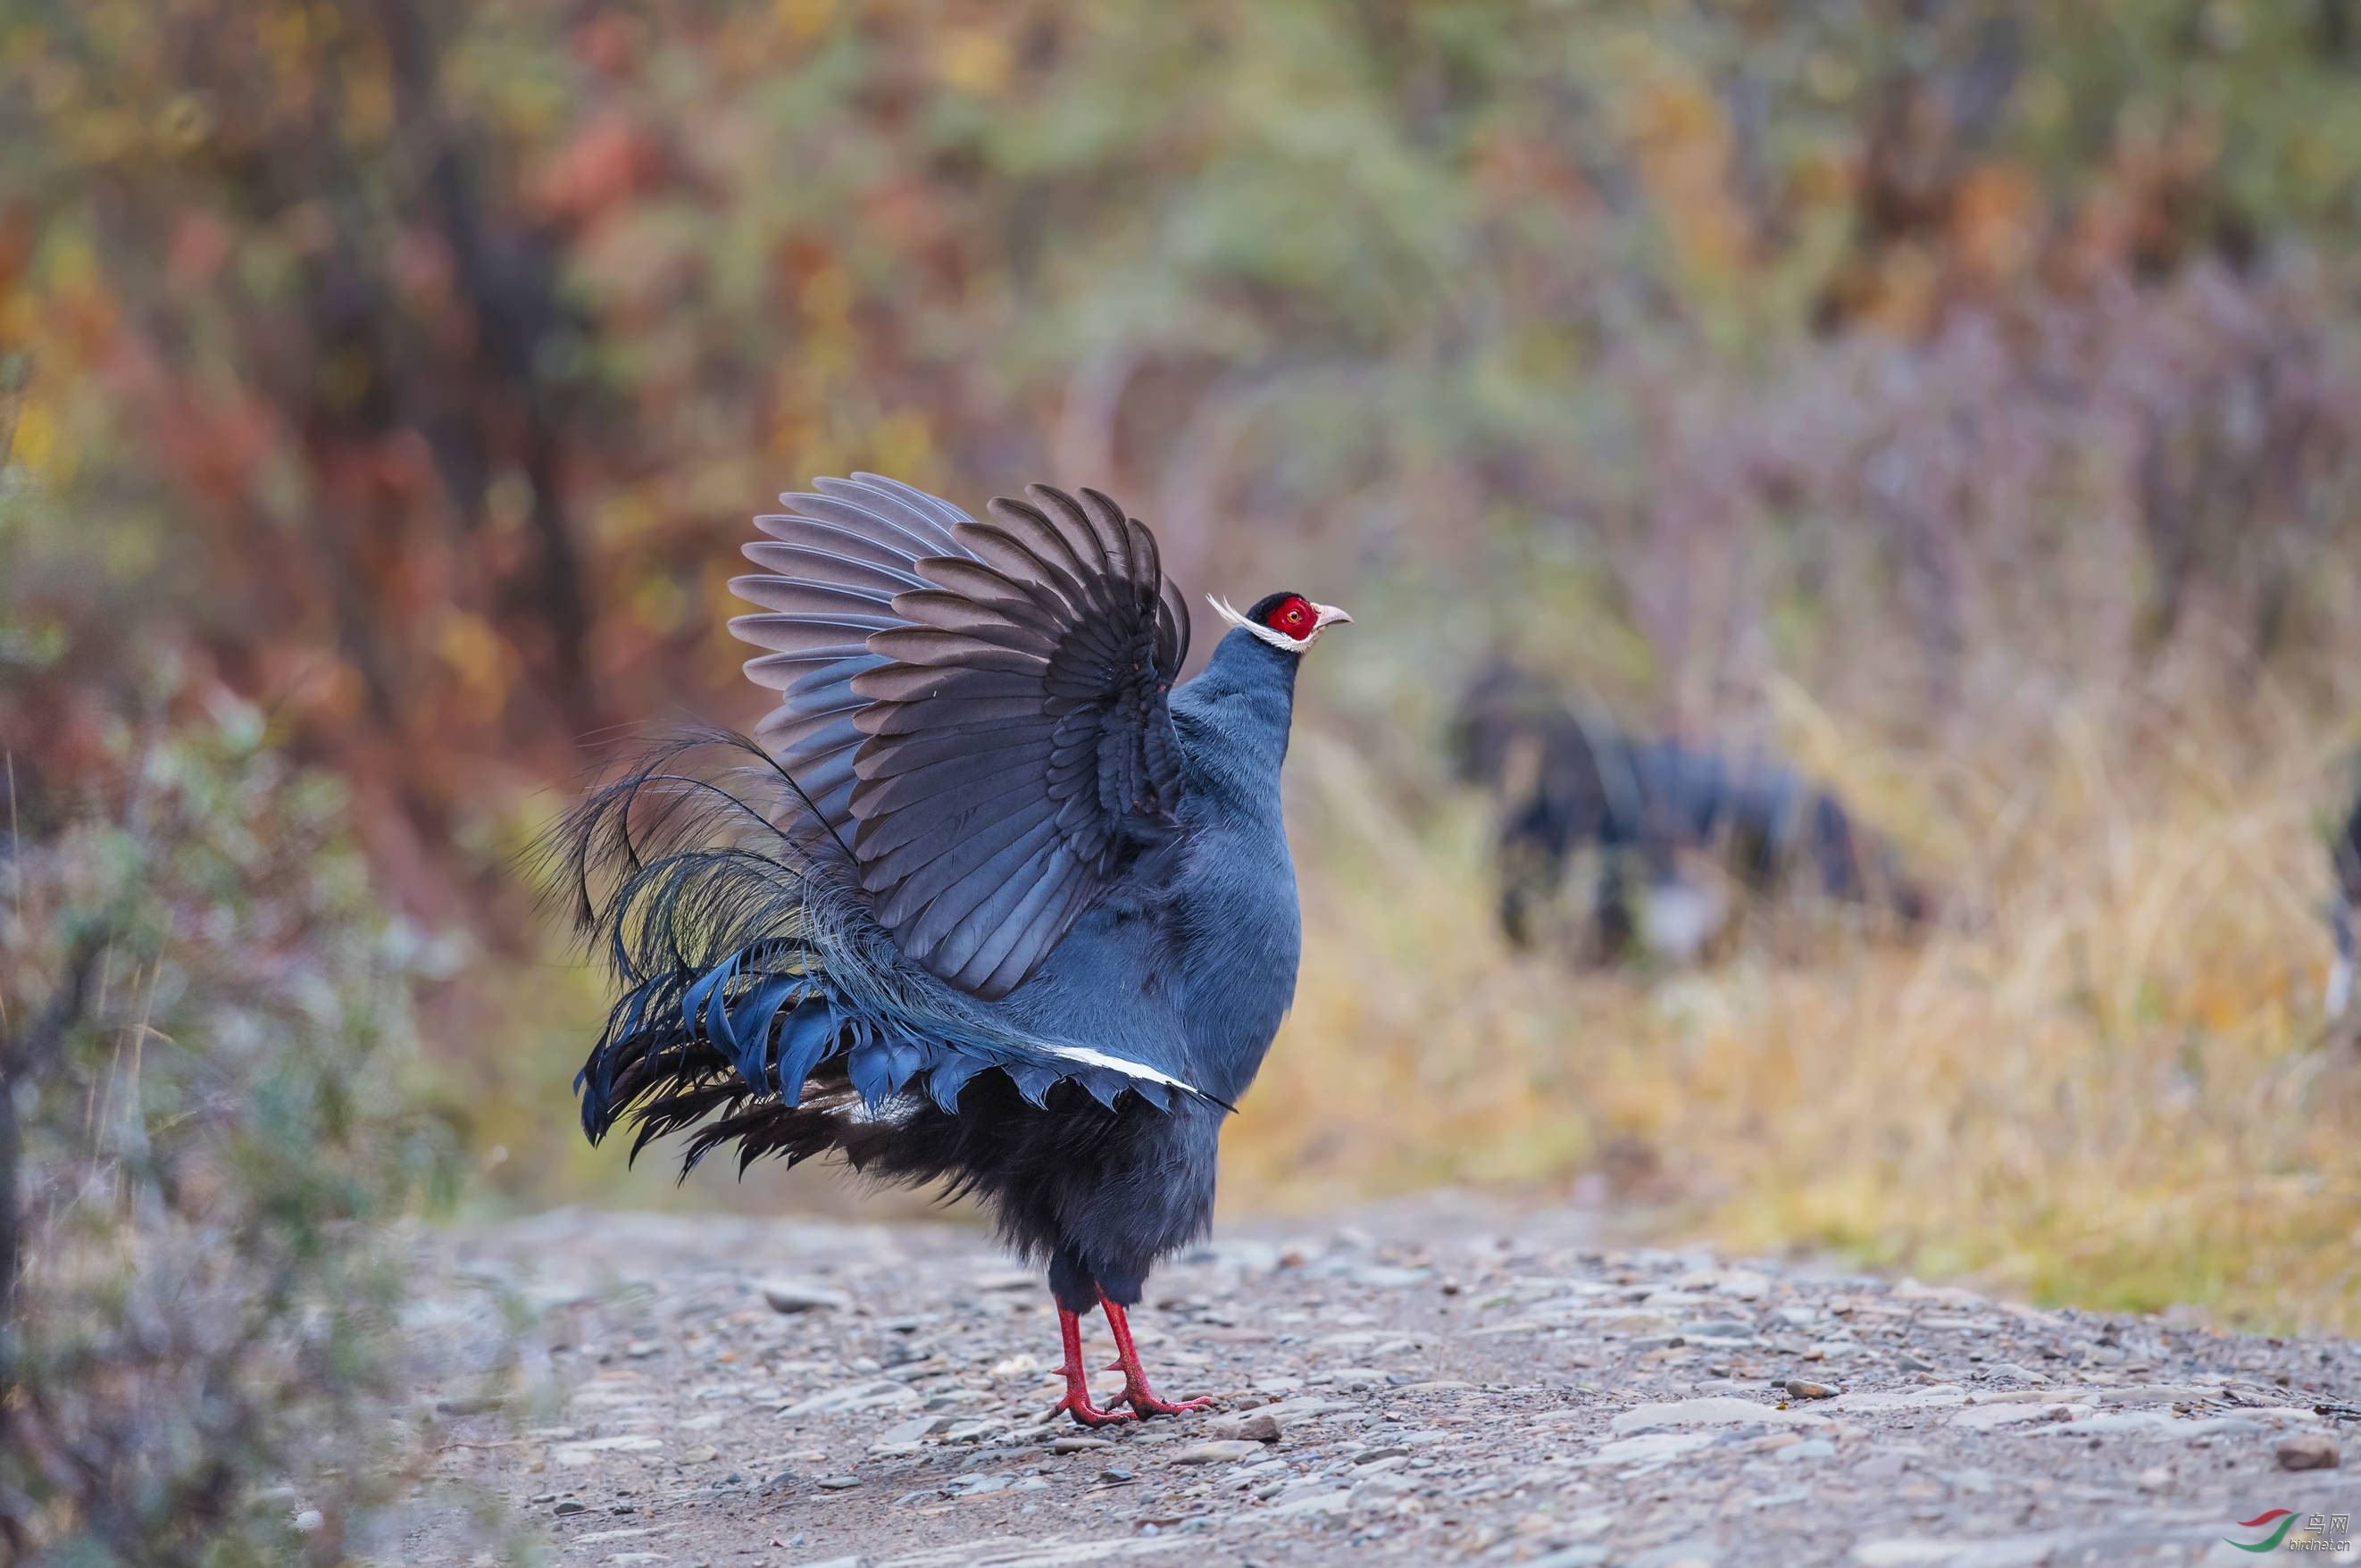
(1448, 1383)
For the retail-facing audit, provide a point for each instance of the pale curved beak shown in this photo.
(1328, 615)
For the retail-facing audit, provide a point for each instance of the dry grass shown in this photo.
(2103, 1078)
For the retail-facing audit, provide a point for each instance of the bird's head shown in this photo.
(1289, 622)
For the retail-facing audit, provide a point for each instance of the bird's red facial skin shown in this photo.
(1294, 617)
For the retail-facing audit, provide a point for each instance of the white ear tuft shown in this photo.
(1276, 639)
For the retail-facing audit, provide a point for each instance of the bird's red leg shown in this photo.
(1136, 1391)
(1078, 1378)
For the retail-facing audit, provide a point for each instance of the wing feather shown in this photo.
(979, 708)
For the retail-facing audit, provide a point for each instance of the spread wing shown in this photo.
(977, 709)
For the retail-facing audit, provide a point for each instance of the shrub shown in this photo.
(204, 1037)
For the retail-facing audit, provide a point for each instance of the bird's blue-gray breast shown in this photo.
(1188, 964)
(1244, 931)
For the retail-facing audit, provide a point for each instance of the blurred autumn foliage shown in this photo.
(433, 354)
(408, 367)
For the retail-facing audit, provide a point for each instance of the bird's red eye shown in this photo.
(1295, 616)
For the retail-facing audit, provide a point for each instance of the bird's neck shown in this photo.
(1246, 691)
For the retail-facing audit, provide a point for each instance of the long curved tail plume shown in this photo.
(753, 985)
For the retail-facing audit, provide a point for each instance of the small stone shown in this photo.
(1078, 1445)
(569, 1507)
(1719, 1329)
(1909, 1363)
(1904, 1553)
(2156, 1479)
(1810, 1447)
(2310, 1451)
(1722, 1410)
(544, 1498)
(838, 1483)
(2009, 1371)
(1803, 1388)
(1571, 1557)
(1227, 1452)
(802, 1296)
(915, 1429)
(1253, 1427)
(703, 1453)
(310, 1519)
(640, 1349)
(1114, 1477)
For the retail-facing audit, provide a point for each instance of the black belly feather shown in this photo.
(1097, 1191)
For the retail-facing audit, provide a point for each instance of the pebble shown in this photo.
(569, 1507)
(702, 1453)
(914, 1429)
(1810, 1447)
(1077, 1444)
(1720, 1410)
(1218, 1452)
(1255, 1427)
(838, 1483)
(2008, 1371)
(1571, 1557)
(2310, 1451)
(1802, 1390)
(802, 1296)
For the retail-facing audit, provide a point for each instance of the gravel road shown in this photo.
(1447, 1382)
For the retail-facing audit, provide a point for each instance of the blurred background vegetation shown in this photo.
(1961, 395)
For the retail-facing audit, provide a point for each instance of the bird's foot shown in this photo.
(1077, 1404)
(1143, 1400)
(1136, 1391)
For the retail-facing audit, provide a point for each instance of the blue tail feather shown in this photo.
(748, 962)
(809, 1031)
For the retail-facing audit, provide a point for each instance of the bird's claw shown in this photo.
(1078, 1405)
(1147, 1404)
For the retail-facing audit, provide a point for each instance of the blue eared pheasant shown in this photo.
(987, 902)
